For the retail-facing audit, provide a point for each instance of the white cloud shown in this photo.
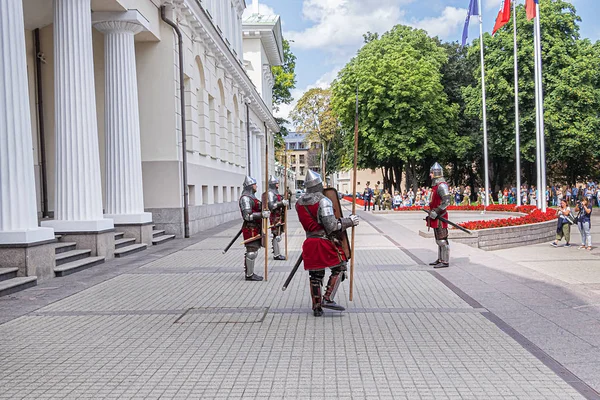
(445, 24)
(338, 25)
(323, 82)
(263, 9)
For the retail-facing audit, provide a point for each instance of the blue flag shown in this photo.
(473, 10)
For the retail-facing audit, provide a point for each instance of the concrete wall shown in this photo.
(504, 238)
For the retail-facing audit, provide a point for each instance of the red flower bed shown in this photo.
(535, 216)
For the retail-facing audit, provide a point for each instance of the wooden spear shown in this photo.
(285, 215)
(266, 204)
(354, 197)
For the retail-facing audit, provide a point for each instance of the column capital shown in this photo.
(128, 21)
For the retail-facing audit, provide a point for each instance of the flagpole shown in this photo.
(517, 127)
(542, 136)
(538, 168)
(485, 139)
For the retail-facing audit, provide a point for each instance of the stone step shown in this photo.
(134, 248)
(156, 233)
(70, 256)
(8, 273)
(17, 284)
(124, 242)
(119, 235)
(78, 265)
(63, 247)
(58, 237)
(161, 239)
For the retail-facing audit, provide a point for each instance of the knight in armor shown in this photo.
(322, 248)
(277, 205)
(440, 200)
(252, 213)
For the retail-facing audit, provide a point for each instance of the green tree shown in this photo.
(285, 82)
(314, 116)
(571, 102)
(405, 115)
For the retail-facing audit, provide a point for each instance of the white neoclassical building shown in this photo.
(91, 137)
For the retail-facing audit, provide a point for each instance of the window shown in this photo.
(232, 194)
(191, 195)
(204, 194)
(302, 161)
(224, 194)
(215, 195)
(301, 170)
(293, 159)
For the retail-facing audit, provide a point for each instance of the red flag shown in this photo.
(503, 16)
(530, 9)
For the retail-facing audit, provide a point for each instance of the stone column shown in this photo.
(78, 206)
(124, 190)
(19, 231)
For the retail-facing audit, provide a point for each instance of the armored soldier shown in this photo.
(277, 207)
(440, 200)
(252, 213)
(322, 248)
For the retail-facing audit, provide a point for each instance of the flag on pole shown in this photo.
(503, 16)
(530, 8)
(473, 10)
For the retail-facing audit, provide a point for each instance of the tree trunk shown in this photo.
(398, 176)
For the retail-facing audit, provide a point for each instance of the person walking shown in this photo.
(322, 248)
(563, 225)
(584, 222)
(252, 214)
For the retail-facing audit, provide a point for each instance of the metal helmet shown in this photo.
(437, 171)
(313, 181)
(272, 182)
(249, 181)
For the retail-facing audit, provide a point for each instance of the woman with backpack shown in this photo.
(584, 221)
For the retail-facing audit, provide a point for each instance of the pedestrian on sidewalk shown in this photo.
(277, 205)
(563, 224)
(253, 215)
(584, 221)
(322, 248)
(440, 200)
(367, 194)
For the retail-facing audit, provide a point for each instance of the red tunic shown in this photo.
(317, 253)
(277, 215)
(252, 229)
(435, 202)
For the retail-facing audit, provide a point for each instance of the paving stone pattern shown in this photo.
(188, 326)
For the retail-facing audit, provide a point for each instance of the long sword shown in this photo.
(450, 223)
(294, 270)
(232, 241)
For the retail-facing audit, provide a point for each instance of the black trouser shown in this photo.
(368, 203)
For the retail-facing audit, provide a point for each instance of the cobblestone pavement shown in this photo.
(184, 324)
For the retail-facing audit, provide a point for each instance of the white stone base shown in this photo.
(122, 219)
(79, 226)
(27, 237)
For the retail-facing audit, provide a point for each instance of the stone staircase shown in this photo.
(10, 283)
(159, 237)
(70, 260)
(126, 246)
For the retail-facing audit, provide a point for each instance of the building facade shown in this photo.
(91, 131)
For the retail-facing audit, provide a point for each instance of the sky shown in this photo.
(327, 33)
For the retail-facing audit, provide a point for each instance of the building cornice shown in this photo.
(201, 22)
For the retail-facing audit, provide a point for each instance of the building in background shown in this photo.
(302, 156)
(92, 134)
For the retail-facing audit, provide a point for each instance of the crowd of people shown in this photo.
(382, 199)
